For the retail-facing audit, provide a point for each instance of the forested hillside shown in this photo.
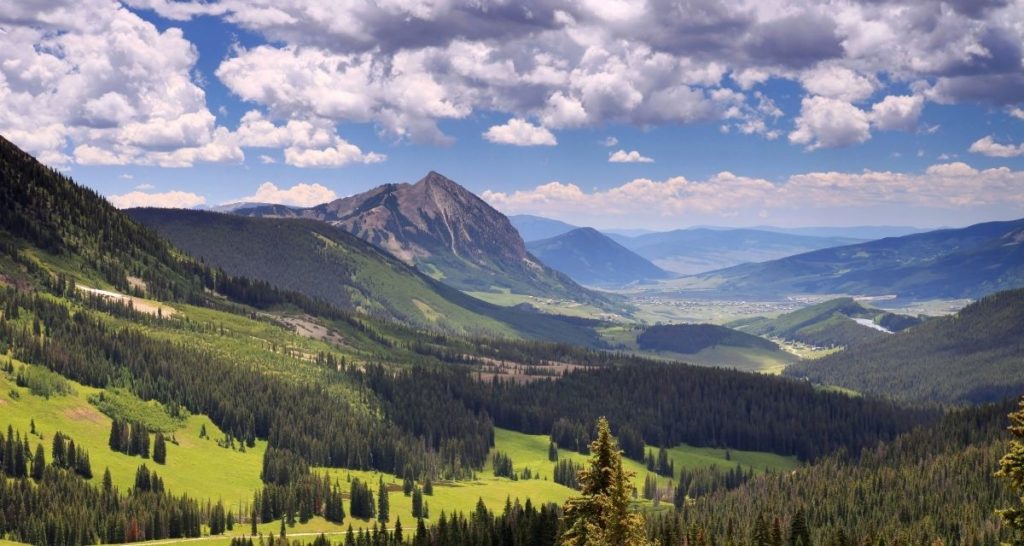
(829, 324)
(935, 483)
(323, 262)
(692, 338)
(972, 356)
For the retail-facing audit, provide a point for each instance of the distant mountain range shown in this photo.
(697, 250)
(867, 233)
(447, 232)
(691, 251)
(951, 263)
(592, 258)
(329, 264)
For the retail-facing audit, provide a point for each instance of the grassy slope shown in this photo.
(741, 358)
(196, 466)
(829, 323)
(205, 470)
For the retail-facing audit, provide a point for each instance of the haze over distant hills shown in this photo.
(952, 263)
(447, 232)
(590, 257)
(691, 251)
(535, 228)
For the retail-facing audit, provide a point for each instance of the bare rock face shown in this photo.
(446, 231)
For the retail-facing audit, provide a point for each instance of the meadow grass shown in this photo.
(195, 466)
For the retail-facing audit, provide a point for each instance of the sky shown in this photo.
(653, 114)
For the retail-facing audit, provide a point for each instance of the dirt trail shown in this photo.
(139, 304)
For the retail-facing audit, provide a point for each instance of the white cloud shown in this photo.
(300, 195)
(897, 113)
(610, 141)
(837, 82)
(91, 81)
(1017, 112)
(145, 187)
(633, 156)
(829, 123)
(93, 76)
(171, 199)
(519, 132)
(341, 154)
(988, 146)
(267, 160)
(948, 186)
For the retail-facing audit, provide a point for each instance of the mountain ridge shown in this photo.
(966, 262)
(446, 231)
(592, 258)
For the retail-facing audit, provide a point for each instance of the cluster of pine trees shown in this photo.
(61, 508)
(565, 473)
(65, 455)
(663, 466)
(702, 481)
(361, 500)
(132, 438)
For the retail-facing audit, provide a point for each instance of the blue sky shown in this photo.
(737, 113)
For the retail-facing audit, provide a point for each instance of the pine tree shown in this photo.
(601, 516)
(417, 503)
(383, 509)
(160, 449)
(1011, 467)
(552, 451)
(38, 463)
(799, 533)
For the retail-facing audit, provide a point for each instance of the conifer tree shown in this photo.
(601, 516)
(160, 449)
(383, 509)
(799, 533)
(1011, 467)
(38, 463)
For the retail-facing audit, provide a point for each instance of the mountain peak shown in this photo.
(434, 179)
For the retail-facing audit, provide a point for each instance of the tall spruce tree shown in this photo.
(383, 508)
(1011, 467)
(38, 463)
(160, 449)
(601, 516)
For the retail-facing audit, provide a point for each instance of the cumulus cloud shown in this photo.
(519, 132)
(300, 195)
(837, 82)
(988, 146)
(170, 200)
(94, 76)
(829, 123)
(633, 156)
(339, 155)
(897, 113)
(90, 81)
(947, 185)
